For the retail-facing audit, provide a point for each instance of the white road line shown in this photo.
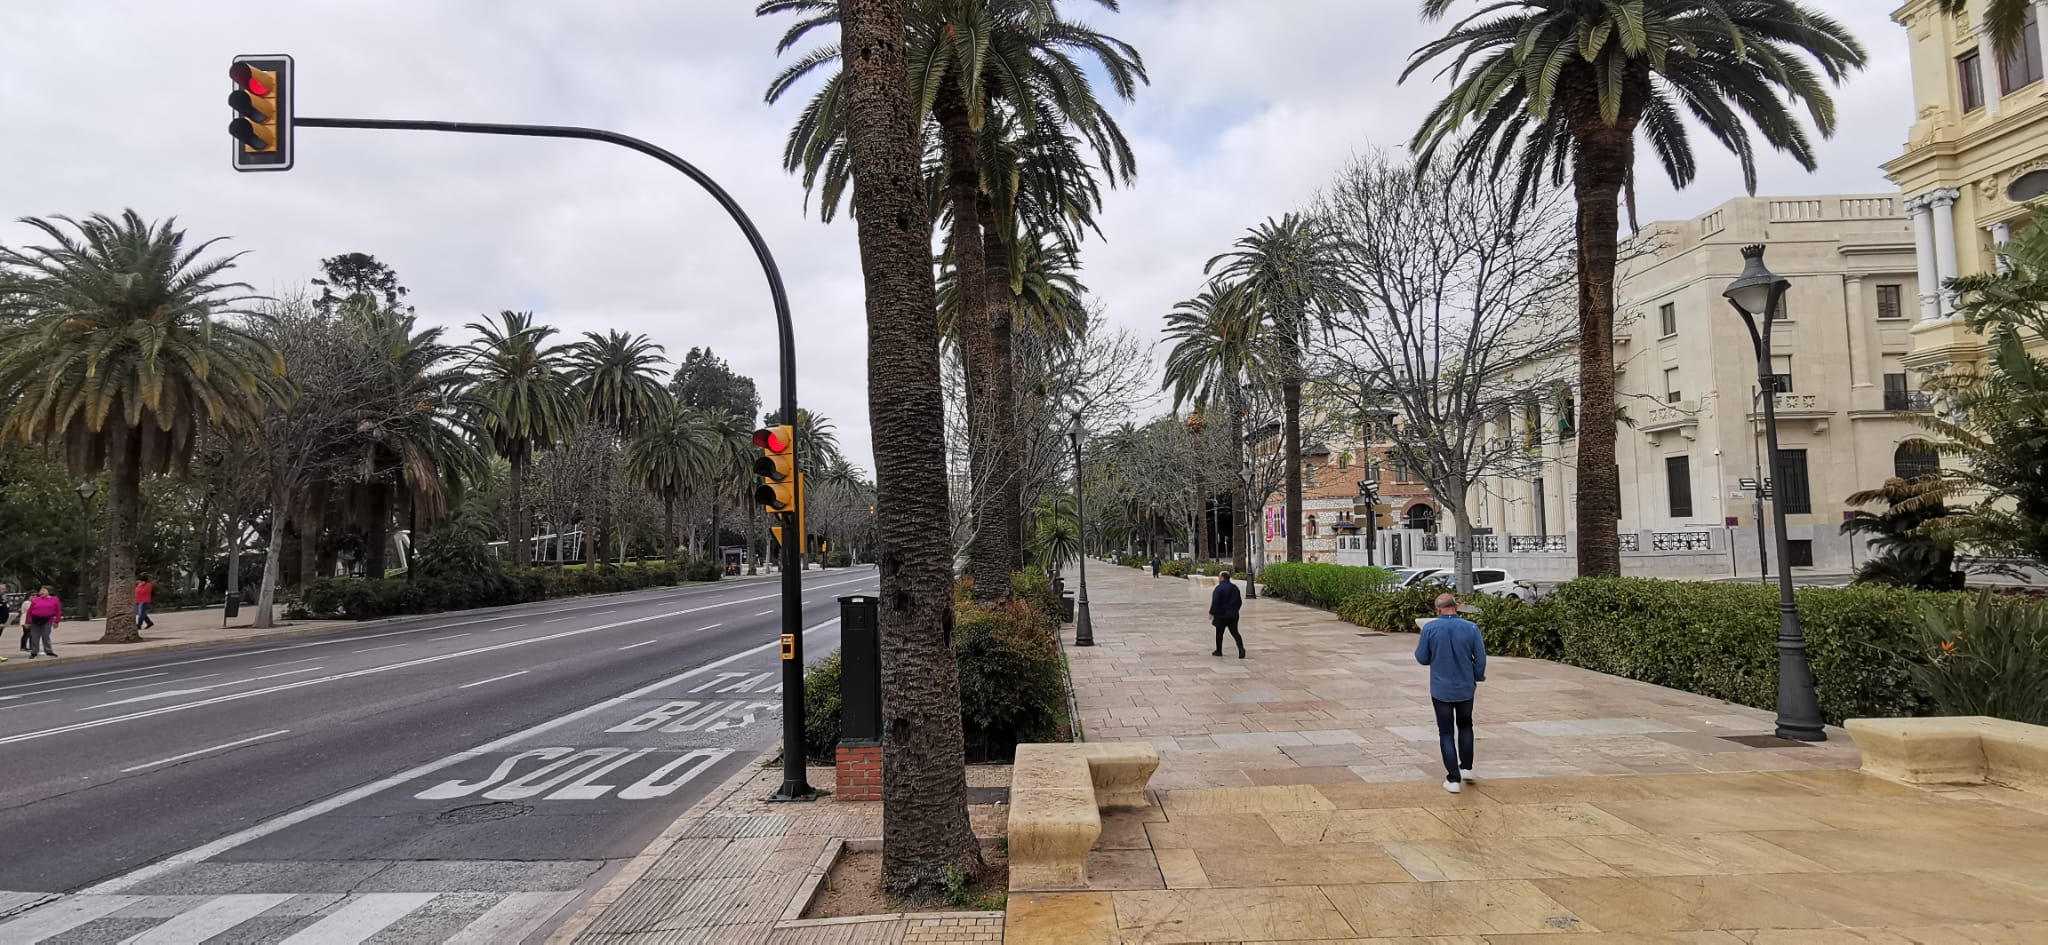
(291, 662)
(24, 695)
(163, 682)
(207, 851)
(54, 919)
(24, 705)
(359, 920)
(764, 613)
(642, 643)
(195, 754)
(211, 918)
(514, 918)
(494, 679)
(557, 619)
(580, 616)
(195, 690)
(387, 646)
(457, 635)
(708, 626)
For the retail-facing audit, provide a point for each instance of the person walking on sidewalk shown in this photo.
(42, 615)
(1224, 605)
(1455, 653)
(145, 592)
(3, 621)
(1155, 565)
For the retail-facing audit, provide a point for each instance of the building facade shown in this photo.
(1977, 153)
(1691, 432)
(1334, 528)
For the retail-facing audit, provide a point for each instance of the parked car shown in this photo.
(1486, 581)
(1415, 576)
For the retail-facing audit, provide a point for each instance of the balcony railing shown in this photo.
(1917, 401)
(1630, 541)
(1682, 541)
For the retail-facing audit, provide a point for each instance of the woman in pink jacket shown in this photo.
(43, 613)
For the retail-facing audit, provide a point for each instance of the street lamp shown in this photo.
(1758, 292)
(1379, 423)
(86, 489)
(1084, 631)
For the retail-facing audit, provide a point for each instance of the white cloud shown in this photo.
(1251, 107)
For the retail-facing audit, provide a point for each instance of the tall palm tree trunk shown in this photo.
(1290, 442)
(124, 504)
(717, 542)
(668, 531)
(377, 531)
(1601, 164)
(515, 514)
(986, 555)
(1240, 500)
(311, 517)
(1002, 318)
(925, 832)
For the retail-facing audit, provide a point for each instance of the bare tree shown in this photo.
(562, 494)
(1467, 304)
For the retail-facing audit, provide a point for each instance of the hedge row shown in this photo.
(1012, 688)
(372, 598)
(1322, 585)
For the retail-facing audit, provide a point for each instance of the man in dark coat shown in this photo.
(1224, 606)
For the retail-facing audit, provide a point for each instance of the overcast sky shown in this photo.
(1252, 106)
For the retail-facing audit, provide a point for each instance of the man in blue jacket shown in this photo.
(1456, 656)
(1224, 606)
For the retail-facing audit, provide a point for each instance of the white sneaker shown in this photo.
(1464, 774)
(1453, 786)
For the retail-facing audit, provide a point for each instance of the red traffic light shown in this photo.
(770, 439)
(249, 78)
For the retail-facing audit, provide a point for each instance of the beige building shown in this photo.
(1686, 375)
(1976, 154)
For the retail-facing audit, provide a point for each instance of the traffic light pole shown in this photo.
(795, 782)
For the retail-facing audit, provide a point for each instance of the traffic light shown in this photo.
(777, 469)
(262, 102)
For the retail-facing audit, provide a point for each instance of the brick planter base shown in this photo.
(858, 773)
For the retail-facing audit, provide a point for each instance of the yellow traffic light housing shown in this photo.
(262, 102)
(777, 469)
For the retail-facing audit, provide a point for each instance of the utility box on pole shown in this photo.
(858, 767)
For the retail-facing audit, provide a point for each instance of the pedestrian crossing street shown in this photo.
(467, 918)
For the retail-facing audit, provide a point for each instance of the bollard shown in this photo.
(857, 768)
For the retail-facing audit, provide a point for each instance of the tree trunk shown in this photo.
(1601, 164)
(1290, 441)
(717, 539)
(925, 833)
(234, 543)
(1002, 381)
(1240, 501)
(310, 519)
(377, 534)
(753, 532)
(1461, 547)
(515, 515)
(124, 503)
(987, 556)
(668, 531)
(273, 558)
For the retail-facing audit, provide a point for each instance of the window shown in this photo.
(1678, 479)
(1790, 487)
(2023, 66)
(1671, 393)
(1970, 81)
(1667, 318)
(1488, 576)
(1567, 416)
(1913, 459)
(1897, 396)
(1422, 518)
(1311, 530)
(1799, 552)
(1781, 373)
(1889, 298)
(1781, 312)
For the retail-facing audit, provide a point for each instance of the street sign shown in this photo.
(1729, 521)
(1748, 483)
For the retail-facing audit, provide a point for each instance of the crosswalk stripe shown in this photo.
(512, 919)
(359, 920)
(211, 918)
(59, 917)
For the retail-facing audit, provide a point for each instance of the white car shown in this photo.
(1484, 580)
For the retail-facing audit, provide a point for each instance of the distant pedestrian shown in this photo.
(1224, 606)
(42, 615)
(3, 620)
(1455, 653)
(1155, 565)
(145, 592)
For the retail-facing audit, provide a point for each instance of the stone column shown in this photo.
(2001, 234)
(1987, 65)
(1859, 340)
(1943, 203)
(1923, 254)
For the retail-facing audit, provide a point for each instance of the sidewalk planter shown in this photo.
(1057, 795)
(1321, 585)
(1954, 750)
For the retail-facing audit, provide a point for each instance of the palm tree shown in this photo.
(531, 405)
(1568, 84)
(1290, 273)
(1907, 557)
(1216, 347)
(2005, 21)
(926, 836)
(119, 350)
(616, 377)
(667, 455)
(730, 438)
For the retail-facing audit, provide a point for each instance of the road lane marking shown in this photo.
(290, 662)
(357, 921)
(387, 646)
(24, 705)
(211, 918)
(207, 851)
(764, 613)
(639, 644)
(202, 751)
(494, 679)
(49, 921)
(163, 682)
(24, 695)
(168, 693)
(513, 919)
(711, 626)
(454, 636)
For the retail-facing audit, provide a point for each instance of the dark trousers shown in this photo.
(1230, 624)
(142, 618)
(1461, 714)
(39, 635)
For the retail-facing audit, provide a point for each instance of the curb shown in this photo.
(637, 866)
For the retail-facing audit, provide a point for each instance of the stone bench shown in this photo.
(1057, 794)
(1203, 580)
(1954, 750)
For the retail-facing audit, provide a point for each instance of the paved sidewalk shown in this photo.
(1299, 799)
(179, 630)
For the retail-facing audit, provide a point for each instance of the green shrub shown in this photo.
(1514, 628)
(821, 710)
(1178, 567)
(1035, 587)
(1982, 656)
(1321, 585)
(1391, 609)
(431, 591)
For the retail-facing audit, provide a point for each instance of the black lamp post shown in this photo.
(1757, 292)
(86, 489)
(1084, 630)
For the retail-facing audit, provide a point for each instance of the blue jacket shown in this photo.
(1456, 656)
(1226, 602)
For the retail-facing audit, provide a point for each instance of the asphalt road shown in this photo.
(461, 774)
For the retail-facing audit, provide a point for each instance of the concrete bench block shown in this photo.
(2016, 754)
(1057, 793)
(1921, 751)
(1203, 580)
